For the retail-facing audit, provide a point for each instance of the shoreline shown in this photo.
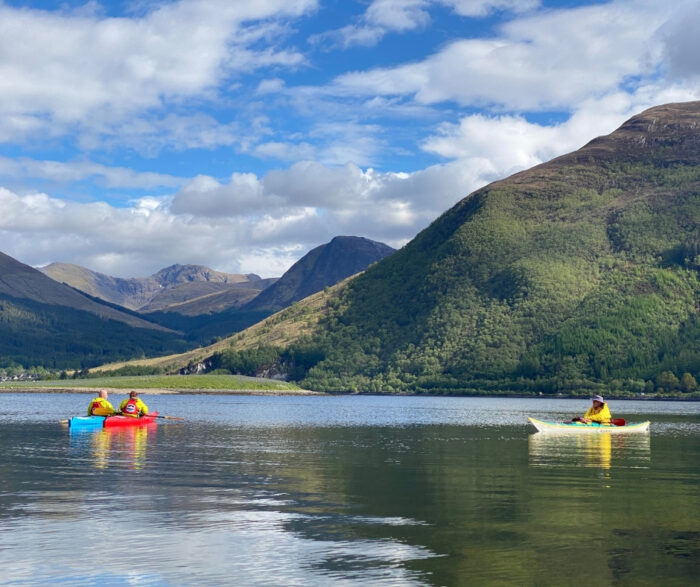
(161, 391)
(307, 392)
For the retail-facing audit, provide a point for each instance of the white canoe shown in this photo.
(593, 427)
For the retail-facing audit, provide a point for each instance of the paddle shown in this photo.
(152, 416)
(117, 414)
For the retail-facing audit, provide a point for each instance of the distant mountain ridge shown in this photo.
(172, 285)
(323, 266)
(50, 324)
(21, 281)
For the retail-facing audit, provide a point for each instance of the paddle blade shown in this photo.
(619, 421)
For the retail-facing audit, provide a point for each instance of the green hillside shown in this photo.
(579, 273)
(48, 324)
(34, 334)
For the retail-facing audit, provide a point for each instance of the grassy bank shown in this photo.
(219, 383)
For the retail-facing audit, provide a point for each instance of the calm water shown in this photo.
(343, 490)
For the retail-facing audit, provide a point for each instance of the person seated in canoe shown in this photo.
(598, 412)
(133, 406)
(100, 406)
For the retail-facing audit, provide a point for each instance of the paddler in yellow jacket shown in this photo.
(100, 406)
(133, 406)
(598, 412)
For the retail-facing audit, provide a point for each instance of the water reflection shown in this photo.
(259, 493)
(123, 446)
(602, 450)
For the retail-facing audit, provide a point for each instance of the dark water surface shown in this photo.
(346, 490)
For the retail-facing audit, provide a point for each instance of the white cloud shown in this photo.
(328, 201)
(310, 183)
(485, 7)
(550, 60)
(399, 16)
(205, 196)
(147, 136)
(331, 143)
(61, 172)
(285, 151)
(493, 147)
(140, 239)
(381, 17)
(239, 226)
(270, 86)
(349, 36)
(74, 67)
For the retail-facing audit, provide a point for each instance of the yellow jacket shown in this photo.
(100, 407)
(599, 414)
(141, 408)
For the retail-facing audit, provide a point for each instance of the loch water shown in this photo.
(288, 490)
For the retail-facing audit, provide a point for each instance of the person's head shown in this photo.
(133, 395)
(598, 401)
(103, 393)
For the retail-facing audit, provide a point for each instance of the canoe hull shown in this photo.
(90, 422)
(114, 421)
(579, 427)
(86, 422)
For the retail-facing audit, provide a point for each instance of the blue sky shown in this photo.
(239, 135)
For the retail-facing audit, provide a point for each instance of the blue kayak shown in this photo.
(90, 422)
(86, 422)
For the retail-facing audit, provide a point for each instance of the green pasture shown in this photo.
(179, 382)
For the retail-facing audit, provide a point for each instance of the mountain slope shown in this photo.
(21, 281)
(578, 273)
(321, 267)
(46, 323)
(200, 297)
(147, 293)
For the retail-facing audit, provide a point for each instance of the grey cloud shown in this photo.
(681, 40)
(309, 183)
(205, 196)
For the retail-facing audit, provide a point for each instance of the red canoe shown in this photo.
(130, 421)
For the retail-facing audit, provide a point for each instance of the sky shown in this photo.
(239, 135)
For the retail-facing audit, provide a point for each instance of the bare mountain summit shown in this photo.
(321, 267)
(173, 286)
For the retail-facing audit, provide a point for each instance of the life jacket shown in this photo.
(131, 408)
(96, 404)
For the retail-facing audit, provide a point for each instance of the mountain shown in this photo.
(173, 285)
(43, 322)
(21, 281)
(321, 267)
(201, 297)
(578, 274)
